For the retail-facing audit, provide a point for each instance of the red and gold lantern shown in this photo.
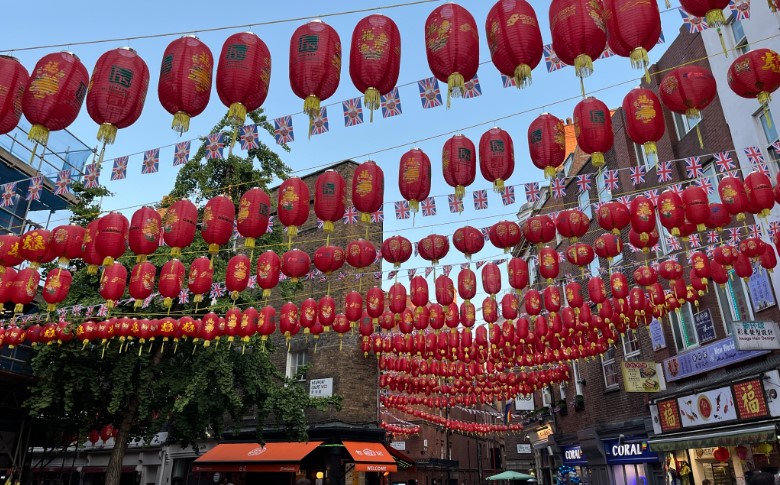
(217, 223)
(315, 64)
(613, 216)
(200, 278)
(755, 74)
(34, 247)
(9, 251)
(293, 204)
(360, 253)
(66, 242)
(368, 188)
(497, 156)
(546, 143)
(328, 259)
(142, 282)
(433, 248)
(761, 198)
(111, 237)
(329, 198)
(179, 225)
(237, 274)
(13, 78)
(491, 279)
(243, 75)
(593, 129)
(24, 288)
(375, 58)
(608, 246)
(514, 39)
(184, 87)
(113, 282)
(295, 264)
(687, 90)
(55, 289)
(733, 196)
(145, 231)
(254, 210)
(7, 279)
(396, 250)
(711, 10)
(579, 34)
(414, 177)
(548, 263)
(467, 284)
(572, 224)
(632, 30)
(445, 290)
(459, 163)
(696, 206)
(468, 240)
(644, 118)
(504, 235)
(580, 254)
(171, 281)
(517, 270)
(539, 229)
(671, 212)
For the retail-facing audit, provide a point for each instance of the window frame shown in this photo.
(610, 363)
(634, 353)
(587, 209)
(741, 44)
(644, 158)
(760, 116)
(683, 125)
(603, 192)
(293, 366)
(708, 170)
(677, 331)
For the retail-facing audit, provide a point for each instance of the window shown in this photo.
(595, 267)
(629, 474)
(296, 360)
(616, 260)
(610, 369)
(583, 199)
(769, 128)
(575, 366)
(684, 125)
(605, 194)
(683, 329)
(649, 159)
(740, 39)
(531, 271)
(663, 235)
(546, 396)
(734, 301)
(631, 344)
(708, 172)
(567, 165)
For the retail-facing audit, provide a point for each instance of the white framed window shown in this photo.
(610, 369)
(709, 172)
(683, 329)
(663, 235)
(683, 125)
(532, 270)
(546, 396)
(769, 129)
(734, 300)
(575, 366)
(631, 347)
(567, 164)
(740, 39)
(583, 200)
(650, 160)
(296, 360)
(616, 260)
(604, 193)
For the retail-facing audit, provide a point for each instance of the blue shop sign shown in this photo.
(629, 451)
(573, 456)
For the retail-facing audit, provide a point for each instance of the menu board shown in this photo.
(721, 475)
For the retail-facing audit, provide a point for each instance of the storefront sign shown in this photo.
(572, 455)
(523, 449)
(705, 453)
(705, 329)
(750, 400)
(539, 436)
(706, 358)
(761, 294)
(629, 451)
(321, 387)
(757, 335)
(669, 415)
(657, 335)
(524, 402)
(639, 376)
(708, 407)
(398, 445)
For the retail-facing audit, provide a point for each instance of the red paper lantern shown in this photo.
(326, 311)
(54, 94)
(632, 30)
(546, 143)
(497, 155)
(644, 118)
(445, 290)
(113, 282)
(467, 314)
(452, 47)
(768, 260)
(539, 229)
(171, 281)
(179, 225)
(397, 295)
(580, 254)
(491, 279)
(517, 270)
(733, 196)
(142, 281)
(34, 247)
(308, 314)
(459, 163)
(552, 299)
(687, 90)
(718, 217)
(514, 39)
(293, 204)
(243, 75)
(396, 250)
(572, 223)
(578, 33)
(65, 242)
(414, 177)
(645, 276)
(696, 206)
(237, 274)
(56, 288)
(718, 273)
(184, 88)
(418, 291)
(329, 198)
(144, 233)
(608, 246)
(758, 188)
(353, 306)
(711, 10)
(375, 302)
(117, 91)
(671, 212)
(360, 253)
(315, 64)
(468, 240)
(548, 263)
(752, 247)
(467, 284)
(619, 285)
(725, 255)
(368, 188)
(328, 259)
(295, 264)
(200, 277)
(375, 58)
(89, 253)
(671, 270)
(593, 129)
(289, 323)
(489, 311)
(755, 74)
(217, 223)
(433, 248)
(111, 237)
(14, 78)
(9, 251)
(254, 210)
(504, 235)
(613, 216)
(721, 454)
(24, 288)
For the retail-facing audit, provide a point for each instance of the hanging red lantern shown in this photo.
(452, 47)
(644, 118)
(55, 289)
(89, 253)
(14, 78)
(243, 75)
(548, 263)
(308, 314)
(619, 285)
(699, 284)
(539, 229)
(721, 454)
(179, 225)
(396, 250)
(329, 198)
(397, 298)
(418, 291)
(295, 264)
(504, 235)
(353, 306)
(254, 210)
(368, 188)
(117, 91)
(696, 206)
(360, 253)
(752, 247)
(9, 251)
(113, 282)
(593, 129)
(733, 196)
(375, 302)
(515, 45)
(671, 212)
(184, 88)
(171, 281)
(144, 233)
(328, 259)
(509, 306)
(718, 273)
(468, 240)
(315, 64)
(142, 282)
(517, 270)
(552, 299)
(289, 324)
(758, 188)
(459, 163)
(34, 246)
(200, 278)
(467, 284)
(65, 242)
(755, 74)
(445, 290)
(326, 311)
(632, 30)
(578, 33)
(24, 288)
(237, 274)
(375, 58)
(546, 143)
(725, 255)
(491, 279)
(572, 224)
(718, 217)
(496, 156)
(414, 177)
(580, 254)
(597, 290)
(608, 246)
(54, 94)
(467, 314)
(687, 90)
(768, 259)
(700, 264)
(612, 216)
(293, 204)
(111, 237)
(433, 248)
(711, 10)
(489, 310)
(217, 223)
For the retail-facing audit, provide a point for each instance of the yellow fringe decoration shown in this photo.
(700, 227)
(138, 304)
(460, 192)
(455, 86)
(39, 134)
(583, 65)
(373, 100)
(522, 76)
(549, 172)
(168, 302)
(18, 308)
(107, 133)
(237, 113)
(181, 122)
(92, 269)
(311, 106)
(175, 252)
(715, 17)
(772, 6)
(213, 248)
(764, 213)
(292, 231)
(365, 217)
(676, 231)
(498, 185)
(51, 307)
(650, 147)
(414, 205)
(598, 159)
(327, 226)
(108, 261)
(62, 261)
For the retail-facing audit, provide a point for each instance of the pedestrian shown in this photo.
(761, 478)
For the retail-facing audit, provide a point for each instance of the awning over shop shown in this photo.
(251, 457)
(723, 436)
(370, 457)
(402, 460)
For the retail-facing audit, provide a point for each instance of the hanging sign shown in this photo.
(708, 357)
(750, 335)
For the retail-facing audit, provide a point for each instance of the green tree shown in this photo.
(190, 391)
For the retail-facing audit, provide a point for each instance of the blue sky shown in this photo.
(54, 22)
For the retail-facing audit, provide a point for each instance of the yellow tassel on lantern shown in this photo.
(549, 172)
(460, 192)
(414, 205)
(327, 226)
(598, 159)
(456, 85)
(365, 217)
(39, 134)
(167, 302)
(498, 185)
(138, 304)
(108, 261)
(213, 248)
(175, 252)
(650, 148)
(715, 17)
(373, 100)
(18, 308)
(249, 242)
(107, 133)
(92, 269)
(583, 65)
(522, 76)
(237, 113)
(181, 122)
(292, 231)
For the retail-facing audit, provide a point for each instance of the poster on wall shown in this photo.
(708, 407)
(761, 294)
(756, 335)
(750, 399)
(524, 402)
(705, 328)
(640, 376)
(657, 335)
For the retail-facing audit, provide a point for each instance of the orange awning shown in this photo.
(370, 457)
(251, 457)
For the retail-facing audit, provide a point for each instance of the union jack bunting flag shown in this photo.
(705, 184)
(428, 207)
(558, 187)
(402, 210)
(455, 204)
(148, 301)
(695, 24)
(694, 241)
(637, 175)
(151, 162)
(77, 309)
(480, 199)
(184, 296)
(428, 271)
(217, 290)
(774, 226)
(447, 268)
(353, 112)
(673, 243)
(464, 266)
(583, 183)
(91, 176)
(756, 159)
(342, 275)
(214, 146)
(532, 192)
(472, 89)
(181, 154)
(63, 182)
(551, 59)
(693, 167)
(319, 124)
(710, 250)
(713, 237)
(508, 195)
(90, 311)
(652, 195)
(9, 194)
(378, 216)
(625, 200)
(320, 223)
(754, 230)
(723, 162)
(392, 274)
(741, 8)
(607, 53)
(677, 189)
(661, 39)
(391, 104)
(119, 172)
(415, 249)
(430, 95)
(249, 139)
(350, 216)
(664, 171)
(507, 81)
(733, 233)
(485, 233)
(480, 264)
(283, 130)
(776, 147)
(611, 180)
(271, 220)
(411, 272)
(34, 189)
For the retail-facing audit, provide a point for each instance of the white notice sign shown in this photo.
(757, 335)
(524, 402)
(524, 448)
(398, 445)
(321, 387)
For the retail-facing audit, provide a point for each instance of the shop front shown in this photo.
(575, 466)
(540, 437)
(630, 460)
